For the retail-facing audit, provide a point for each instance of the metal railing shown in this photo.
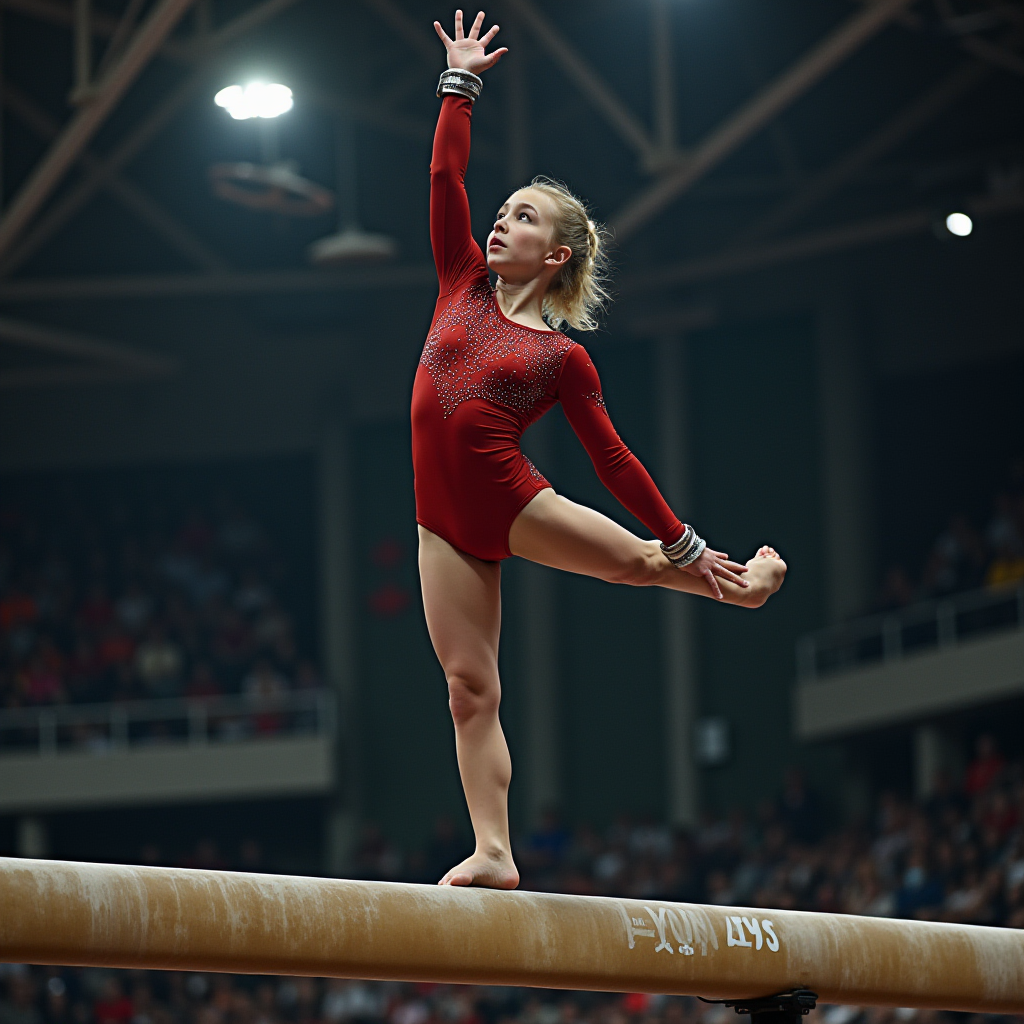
(102, 728)
(899, 634)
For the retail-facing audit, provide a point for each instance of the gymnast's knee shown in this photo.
(471, 695)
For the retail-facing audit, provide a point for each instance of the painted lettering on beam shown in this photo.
(762, 932)
(676, 929)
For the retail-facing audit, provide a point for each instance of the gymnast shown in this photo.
(492, 365)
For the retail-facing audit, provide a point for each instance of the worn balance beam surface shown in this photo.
(53, 912)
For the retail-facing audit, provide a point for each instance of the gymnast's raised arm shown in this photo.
(456, 255)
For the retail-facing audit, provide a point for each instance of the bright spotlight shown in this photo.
(257, 99)
(959, 224)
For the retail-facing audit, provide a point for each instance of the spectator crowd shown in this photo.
(964, 557)
(957, 857)
(122, 600)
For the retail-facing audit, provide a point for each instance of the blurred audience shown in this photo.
(135, 601)
(959, 856)
(964, 557)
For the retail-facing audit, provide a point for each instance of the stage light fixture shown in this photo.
(959, 224)
(257, 99)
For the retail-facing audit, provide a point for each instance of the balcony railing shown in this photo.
(103, 728)
(908, 631)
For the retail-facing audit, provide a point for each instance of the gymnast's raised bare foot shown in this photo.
(765, 573)
(488, 871)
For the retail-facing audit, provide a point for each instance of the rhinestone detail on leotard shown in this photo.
(473, 352)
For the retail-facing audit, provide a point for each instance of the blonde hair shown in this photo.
(577, 294)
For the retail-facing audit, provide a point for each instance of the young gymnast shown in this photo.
(491, 366)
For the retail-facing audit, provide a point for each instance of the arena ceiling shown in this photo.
(714, 137)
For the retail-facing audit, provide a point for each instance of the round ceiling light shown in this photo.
(959, 224)
(257, 99)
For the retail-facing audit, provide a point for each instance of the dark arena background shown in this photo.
(212, 644)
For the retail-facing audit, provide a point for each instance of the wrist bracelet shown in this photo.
(686, 550)
(457, 82)
(681, 546)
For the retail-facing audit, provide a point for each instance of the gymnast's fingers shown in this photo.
(444, 35)
(719, 570)
(732, 566)
(716, 590)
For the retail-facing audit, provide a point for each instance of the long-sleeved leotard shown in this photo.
(482, 380)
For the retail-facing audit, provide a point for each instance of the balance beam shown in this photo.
(105, 915)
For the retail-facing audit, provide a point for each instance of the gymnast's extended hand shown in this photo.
(716, 563)
(467, 52)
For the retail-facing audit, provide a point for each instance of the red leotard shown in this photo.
(482, 380)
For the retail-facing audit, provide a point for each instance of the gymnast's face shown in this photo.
(522, 245)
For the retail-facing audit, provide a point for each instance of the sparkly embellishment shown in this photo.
(598, 399)
(534, 472)
(473, 352)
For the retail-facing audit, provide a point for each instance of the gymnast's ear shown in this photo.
(558, 257)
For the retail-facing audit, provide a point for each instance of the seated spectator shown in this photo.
(113, 1006)
(40, 682)
(1007, 568)
(159, 664)
(896, 590)
(986, 767)
(921, 891)
(20, 1005)
(264, 686)
(133, 609)
(202, 682)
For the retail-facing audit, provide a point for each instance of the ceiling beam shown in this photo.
(587, 80)
(816, 243)
(100, 360)
(756, 113)
(226, 285)
(103, 26)
(996, 55)
(130, 195)
(903, 124)
(88, 119)
(123, 153)
(139, 137)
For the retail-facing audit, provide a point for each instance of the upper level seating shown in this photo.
(110, 594)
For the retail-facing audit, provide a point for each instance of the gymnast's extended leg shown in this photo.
(555, 531)
(462, 602)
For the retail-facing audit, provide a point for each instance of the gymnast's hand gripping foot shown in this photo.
(491, 366)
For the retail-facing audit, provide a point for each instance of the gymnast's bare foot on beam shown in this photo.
(496, 871)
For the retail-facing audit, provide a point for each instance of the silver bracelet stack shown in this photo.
(456, 82)
(686, 550)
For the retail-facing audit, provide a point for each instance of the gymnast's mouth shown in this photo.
(496, 243)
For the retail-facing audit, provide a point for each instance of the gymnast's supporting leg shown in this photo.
(555, 531)
(462, 602)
